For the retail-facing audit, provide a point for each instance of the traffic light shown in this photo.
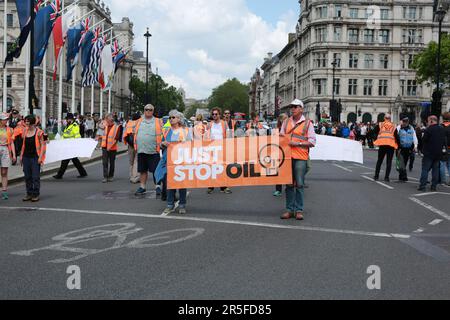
(334, 111)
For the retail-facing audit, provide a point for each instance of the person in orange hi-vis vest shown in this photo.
(199, 128)
(230, 123)
(302, 136)
(388, 142)
(7, 152)
(128, 139)
(254, 126)
(110, 139)
(217, 130)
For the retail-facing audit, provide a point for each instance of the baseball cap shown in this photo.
(3, 116)
(297, 102)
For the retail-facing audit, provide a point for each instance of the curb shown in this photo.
(55, 170)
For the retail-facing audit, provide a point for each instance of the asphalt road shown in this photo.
(228, 246)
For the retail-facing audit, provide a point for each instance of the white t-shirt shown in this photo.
(216, 131)
(363, 130)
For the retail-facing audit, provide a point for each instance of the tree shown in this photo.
(231, 95)
(425, 62)
(192, 110)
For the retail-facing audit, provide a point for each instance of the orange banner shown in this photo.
(247, 161)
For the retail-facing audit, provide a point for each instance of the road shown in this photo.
(228, 246)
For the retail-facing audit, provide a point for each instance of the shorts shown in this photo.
(5, 159)
(148, 162)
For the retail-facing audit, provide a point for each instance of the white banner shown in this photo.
(58, 150)
(338, 149)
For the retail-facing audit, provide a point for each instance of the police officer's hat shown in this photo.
(70, 116)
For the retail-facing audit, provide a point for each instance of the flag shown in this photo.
(73, 47)
(119, 59)
(58, 43)
(91, 75)
(106, 73)
(86, 49)
(43, 26)
(24, 11)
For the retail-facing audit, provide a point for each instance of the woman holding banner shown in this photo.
(177, 133)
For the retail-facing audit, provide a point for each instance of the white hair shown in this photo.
(178, 114)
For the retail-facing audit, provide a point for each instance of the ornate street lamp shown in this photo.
(147, 35)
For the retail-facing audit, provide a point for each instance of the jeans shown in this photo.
(382, 152)
(109, 162)
(171, 198)
(403, 156)
(427, 165)
(76, 163)
(295, 193)
(445, 168)
(32, 171)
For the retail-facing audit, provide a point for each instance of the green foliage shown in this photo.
(161, 95)
(425, 63)
(231, 95)
(192, 110)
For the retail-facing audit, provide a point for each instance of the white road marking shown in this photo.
(430, 194)
(361, 166)
(232, 222)
(420, 230)
(431, 208)
(435, 222)
(343, 168)
(378, 182)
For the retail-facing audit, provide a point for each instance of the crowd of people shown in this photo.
(147, 139)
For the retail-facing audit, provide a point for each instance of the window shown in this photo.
(384, 14)
(353, 61)
(412, 13)
(410, 60)
(384, 36)
(369, 36)
(382, 87)
(352, 87)
(412, 88)
(322, 12)
(368, 61)
(320, 86)
(353, 35)
(9, 81)
(420, 13)
(320, 60)
(354, 13)
(402, 87)
(337, 86)
(368, 83)
(384, 61)
(337, 33)
(321, 34)
(338, 11)
(10, 20)
(337, 59)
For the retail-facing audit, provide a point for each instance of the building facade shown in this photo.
(17, 74)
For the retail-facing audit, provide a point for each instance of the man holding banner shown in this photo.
(302, 137)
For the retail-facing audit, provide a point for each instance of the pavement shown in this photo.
(228, 246)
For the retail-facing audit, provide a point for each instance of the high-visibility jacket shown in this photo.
(209, 127)
(19, 129)
(129, 129)
(258, 126)
(72, 131)
(447, 128)
(41, 146)
(9, 138)
(386, 137)
(158, 132)
(199, 131)
(109, 138)
(299, 134)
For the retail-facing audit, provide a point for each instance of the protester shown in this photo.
(445, 163)
(19, 129)
(7, 152)
(110, 138)
(199, 128)
(302, 137)
(89, 124)
(253, 126)
(72, 131)
(407, 145)
(147, 141)
(230, 123)
(32, 157)
(128, 139)
(281, 119)
(177, 133)
(217, 130)
(387, 141)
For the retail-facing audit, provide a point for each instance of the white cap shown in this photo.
(297, 102)
(3, 116)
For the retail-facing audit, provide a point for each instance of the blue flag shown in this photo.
(73, 47)
(43, 26)
(24, 12)
(86, 49)
(118, 59)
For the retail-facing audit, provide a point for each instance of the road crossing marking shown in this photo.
(221, 221)
(378, 182)
(343, 168)
(430, 194)
(431, 208)
(420, 230)
(435, 222)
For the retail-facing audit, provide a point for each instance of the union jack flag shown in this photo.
(56, 5)
(116, 49)
(85, 25)
(37, 5)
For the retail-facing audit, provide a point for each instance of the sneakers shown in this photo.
(226, 191)
(286, 216)
(299, 216)
(376, 178)
(169, 210)
(210, 191)
(277, 194)
(158, 190)
(5, 195)
(105, 180)
(182, 210)
(35, 199)
(57, 177)
(140, 191)
(110, 179)
(387, 179)
(421, 189)
(82, 176)
(27, 198)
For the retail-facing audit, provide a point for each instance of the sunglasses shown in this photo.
(172, 118)
(215, 114)
(149, 110)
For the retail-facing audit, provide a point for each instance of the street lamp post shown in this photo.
(334, 64)
(437, 96)
(147, 35)
(259, 101)
(131, 62)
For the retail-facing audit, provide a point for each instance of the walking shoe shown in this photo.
(5, 195)
(169, 210)
(433, 189)
(387, 180)
(299, 216)
(82, 176)
(158, 190)
(27, 198)
(35, 199)
(182, 210)
(140, 191)
(104, 180)
(57, 177)
(226, 191)
(210, 191)
(376, 178)
(277, 194)
(421, 189)
(287, 215)
(110, 179)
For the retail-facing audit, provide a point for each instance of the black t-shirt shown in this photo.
(30, 147)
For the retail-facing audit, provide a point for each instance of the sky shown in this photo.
(199, 44)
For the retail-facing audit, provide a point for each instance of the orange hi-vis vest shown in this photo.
(386, 137)
(259, 126)
(109, 142)
(298, 134)
(158, 129)
(199, 131)
(41, 146)
(19, 129)
(447, 124)
(129, 129)
(208, 130)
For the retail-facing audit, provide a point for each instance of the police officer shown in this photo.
(72, 131)
(407, 146)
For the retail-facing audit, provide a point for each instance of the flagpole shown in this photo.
(31, 92)
(101, 91)
(92, 87)
(73, 88)
(110, 85)
(27, 79)
(5, 52)
(60, 95)
(44, 92)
